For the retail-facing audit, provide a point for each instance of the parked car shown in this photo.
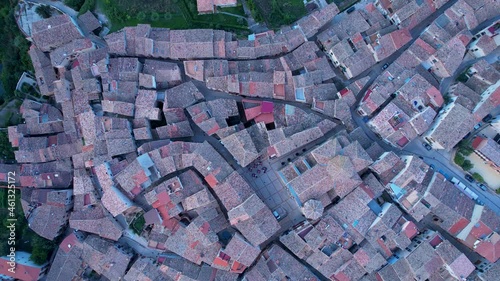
(469, 178)
(351, 9)
(479, 202)
(280, 213)
(487, 118)
(427, 146)
(432, 166)
(477, 126)
(385, 66)
(482, 186)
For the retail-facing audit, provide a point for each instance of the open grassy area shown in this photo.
(138, 224)
(277, 13)
(237, 10)
(173, 14)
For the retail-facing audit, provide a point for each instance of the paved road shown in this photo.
(439, 159)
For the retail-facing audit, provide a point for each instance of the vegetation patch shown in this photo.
(173, 14)
(478, 177)
(14, 48)
(277, 13)
(138, 224)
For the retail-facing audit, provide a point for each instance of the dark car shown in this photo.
(432, 166)
(469, 178)
(351, 9)
(487, 118)
(427, 146)
(385, 66)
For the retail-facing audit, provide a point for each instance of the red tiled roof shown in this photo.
(220, 262)
(458, 226)
(490, 249)
(480, 230)
(211, 180)
(410, 229)
(68, 242)
(251, 113)
(22, 272)
(267, 118)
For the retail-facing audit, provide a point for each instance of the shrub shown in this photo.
(478, 177)
(167, 16)
(75, 4)
(141, 16)
(497, 191)
(459, 159)
(45, 11)
(467, 165)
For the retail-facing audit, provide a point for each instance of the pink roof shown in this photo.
(410, 229)
(401, 37)
(211, 180)
(267, 107)
(435, 96)
(428, 48)
(267, 118)
(489, 250)
(251, 113)
(68, 242)
(480, 230)
(476, 142)
(22, 272)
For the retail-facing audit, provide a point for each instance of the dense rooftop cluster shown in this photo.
(169, 127)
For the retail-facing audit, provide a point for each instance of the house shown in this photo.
(24, 270)
(450, 126)
(209, 6)
(53, 32)
(75, 256)
(277, 263)
(47, 211)
(45, 75)
(247, 145)
(488, 150)
(88, 22)
(444, 62)
(237, 255)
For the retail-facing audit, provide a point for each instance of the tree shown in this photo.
(45, 11)
(141, 16)
(75, 4)
(6, 150)
(478, 177)
(459, 159)
(41, 249)
(497, 191)
(465, 148)
(167, 16)
(467, 165)
(155, 16)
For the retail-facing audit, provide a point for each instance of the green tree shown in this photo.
(459, 159)
(465, 148)
(75, 4)
(41, 249)
(155, 16)
(141, 16)
(6, 150)
(497, 191)
(167, 16)
(467, 165)
(45, 11)
(478, 177)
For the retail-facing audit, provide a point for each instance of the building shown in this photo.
(450, 126)
(209, 6)
(25, 269)
(488, 150)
